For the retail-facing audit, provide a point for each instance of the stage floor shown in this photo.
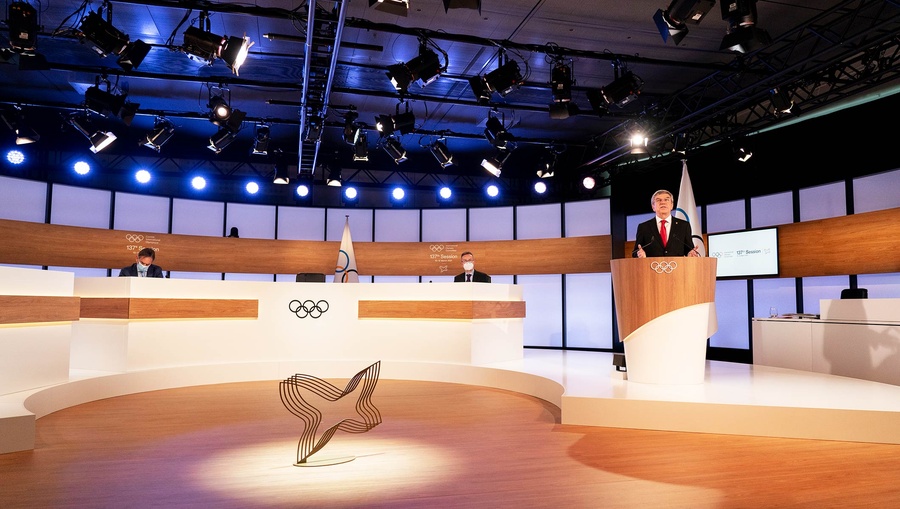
(734, 399)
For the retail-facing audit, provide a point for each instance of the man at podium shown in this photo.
(663, 235)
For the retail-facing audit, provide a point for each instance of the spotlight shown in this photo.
(220, 140)
(198, 183)
(81, 168)
(547, 167)
(561, 82)
(107, 40)
(639, 141)
(445, 193)
(540, 187)
(15, 157)
(503, 80)
(351, 194)
(622, 90)
(252, 187)
(99, 139)
(352, 129)
(743, 154)
(397, 7)
(223, 115)
(16, 123)
(681, 143)
(394, 149)
(162, 131)
(462, 4)
(398, 194)
(142, 176)
(563, 110)
(743, 35)
(672, 21)
(261, 141)
(281, 169)
(494, 164)
(425, 68)
(205, 47)
(334, 176)
(781, 101)
(400, 123)
(23, 27)
(492, 190)
(105, 103)
(361, 147)
(598, 103)
(440, 152)
(496, 133)
(588, 182)
(303, 190)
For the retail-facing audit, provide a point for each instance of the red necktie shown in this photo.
(662, 231)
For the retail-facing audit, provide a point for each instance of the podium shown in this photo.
(666, 310)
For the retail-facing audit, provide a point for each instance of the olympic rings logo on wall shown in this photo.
(308, 308)
(436, 248)
(132, 237)
(661, 267)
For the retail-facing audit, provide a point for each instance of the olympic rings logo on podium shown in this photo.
(663, 267)
(308, 308)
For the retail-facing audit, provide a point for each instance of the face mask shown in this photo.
(468, 266)
(141, 266)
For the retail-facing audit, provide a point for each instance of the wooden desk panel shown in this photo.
(133, 308)
(441, 309)
(37, 309)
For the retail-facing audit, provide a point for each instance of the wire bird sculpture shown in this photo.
(291, 395)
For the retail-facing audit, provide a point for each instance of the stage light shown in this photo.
(503, 80)
(334, 177)
(261, 140)
(638, 141)
(99, 139)
(15, 121)
(424, 68)
(107, 40)
(397, 7)
(394, 149)
(496, 133)
(252, 187)
(398, 194)
(440, 152)
(222, 114)
(561, 82)
(492, 190)
(494, 164)
(622, 90)
(106, 103)
(672, 22)
(142, 176)
(162, 131)
(462, 4)
(15, 157)
(598, 103)
(23, 27)
(352, 129)
(781, 101)
(205, 47)
(540, 187)
(81, 168)
(361, 147)
(350, 193)
(681, 143)
(400, 123)
(588, 182)
(220, 140)
(303, 190)
(281, 169)
(742, 36)
(445, 193)
(198, 183)
(743, 154)
(563, 110)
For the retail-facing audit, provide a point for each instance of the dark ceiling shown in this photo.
(820, 56)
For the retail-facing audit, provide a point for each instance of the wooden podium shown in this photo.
(666, 310)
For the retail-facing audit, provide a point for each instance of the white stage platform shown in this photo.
(734, 398)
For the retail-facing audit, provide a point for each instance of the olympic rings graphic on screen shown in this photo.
(661, 267)
(436, 248)
(308, 308)
(131, 237)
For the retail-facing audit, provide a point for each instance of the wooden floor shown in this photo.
(440, 445)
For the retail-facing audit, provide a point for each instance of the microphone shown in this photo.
(691, 246)
(641, 247)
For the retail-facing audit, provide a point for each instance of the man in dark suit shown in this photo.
(649, 240)
(144, 266)
(469, 274)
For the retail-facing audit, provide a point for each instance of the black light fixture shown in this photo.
(398, 7)
(680, 143)
(743, 36)
(672, 22)
(205, 47)
(220, 111)
(462, 4)
(503, 80)
(106, 103)
(496, 133)
(105, 39)
(361, 147)
(394, 149)
(162, 131)
(261, 140)
(352, 129)
(561, 81)
(742, 152)
(439, 150)
(624, 89)
(15, 121)
(23, 27)
(281, 169)
(99, 139)
(401, 123)
(221, 139)
(547, 166)
(334, 176)
(495, 164)
(424, 68)
(781, 101)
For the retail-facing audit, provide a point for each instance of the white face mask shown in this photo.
(468, 266)
(141, 266)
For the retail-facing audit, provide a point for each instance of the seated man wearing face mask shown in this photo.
(144, 266)
(470, 275)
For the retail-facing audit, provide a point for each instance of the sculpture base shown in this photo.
(324, 462)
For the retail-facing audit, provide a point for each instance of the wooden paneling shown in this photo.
(133, 308)
(441, 309)
(37, 309)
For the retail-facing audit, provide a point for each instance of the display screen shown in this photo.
(745, 253)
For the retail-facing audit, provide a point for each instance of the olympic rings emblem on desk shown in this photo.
(661, 267)
(308, 308)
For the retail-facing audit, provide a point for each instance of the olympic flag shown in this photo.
(345, 270)
(687, 208)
